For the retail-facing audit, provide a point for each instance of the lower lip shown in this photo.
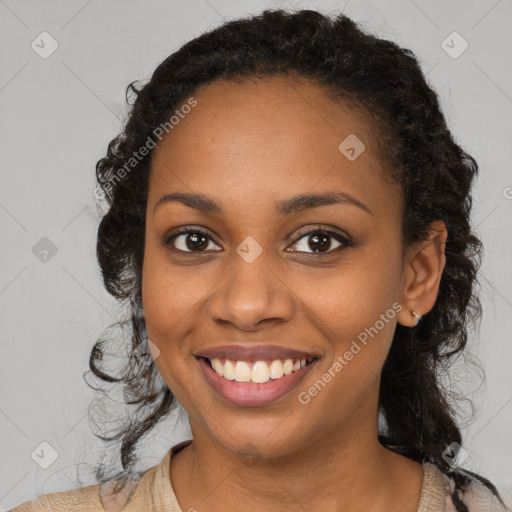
(251, 394)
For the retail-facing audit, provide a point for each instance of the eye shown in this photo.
(319, 240)
(189, 239)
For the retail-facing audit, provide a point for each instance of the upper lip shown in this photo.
(253, 353)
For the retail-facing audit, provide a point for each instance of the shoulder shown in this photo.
(149, 492)
(476, 496)
(95, 498)
(87, 499)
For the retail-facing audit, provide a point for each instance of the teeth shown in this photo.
(217, 367)
(260, 372)
(276, 370)
(229, 370)
(242, 372)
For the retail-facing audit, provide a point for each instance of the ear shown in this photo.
(424, 262)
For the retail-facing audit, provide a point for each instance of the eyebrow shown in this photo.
(295, 204)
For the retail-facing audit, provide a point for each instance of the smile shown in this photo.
(255, 376)
(257, 372)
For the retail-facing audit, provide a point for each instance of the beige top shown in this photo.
(154, 493)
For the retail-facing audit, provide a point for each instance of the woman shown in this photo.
(289, 223)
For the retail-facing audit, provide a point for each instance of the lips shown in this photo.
(249, 394)
(241, 376)
(252, 353)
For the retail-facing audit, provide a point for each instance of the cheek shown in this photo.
(171, 294)
(355, 309)
(352, 297)
(359, 334)
(174, 299)
(357, 321)
(171, 307)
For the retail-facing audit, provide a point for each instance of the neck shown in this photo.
(346, 470)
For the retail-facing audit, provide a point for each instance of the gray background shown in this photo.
(57, 116)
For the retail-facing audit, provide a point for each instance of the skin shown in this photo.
(248, 145)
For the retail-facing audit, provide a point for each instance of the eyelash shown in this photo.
(344, 240)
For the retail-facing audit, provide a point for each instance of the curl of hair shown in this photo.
(435, 175)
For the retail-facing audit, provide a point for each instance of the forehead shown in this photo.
(265, 135)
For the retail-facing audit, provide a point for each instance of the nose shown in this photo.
(251, 296)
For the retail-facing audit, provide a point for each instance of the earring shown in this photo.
(417, 317)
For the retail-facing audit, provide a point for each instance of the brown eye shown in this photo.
(320, 241)
(190, 240)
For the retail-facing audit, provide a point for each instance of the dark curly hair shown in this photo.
(435, 174)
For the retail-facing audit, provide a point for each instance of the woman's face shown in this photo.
(263, 275)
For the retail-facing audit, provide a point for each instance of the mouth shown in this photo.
(255, 376)
(257, 372)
